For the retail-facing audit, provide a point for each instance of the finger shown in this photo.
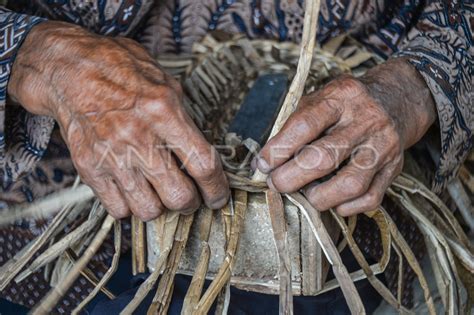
(176, 190)
(350, 182)
(314, 161)
(200, 159)
(103, 185)
(111, 197)
(303, 126)
(141, 198)
(372, 199)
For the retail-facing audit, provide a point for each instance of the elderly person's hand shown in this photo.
(365, 122)
(122, 119)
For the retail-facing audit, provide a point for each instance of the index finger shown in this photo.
(301, 128)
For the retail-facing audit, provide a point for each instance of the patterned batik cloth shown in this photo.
(435, 35)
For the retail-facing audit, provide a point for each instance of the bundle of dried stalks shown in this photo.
(215, 80)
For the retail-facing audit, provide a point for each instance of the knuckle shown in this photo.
(147, 210)
(91, 179)
(332, 106)
(327, 156)
(391, 148)
(393, 137)
(116, 209)
(127, 183)
(163, 102)
(305, 121)
(354, 185)
(208, 171)
(121, 213)
(373, 200)
(280, 184)
(350, 86)
(181, 199)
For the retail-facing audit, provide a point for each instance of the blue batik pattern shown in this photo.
(104, 17)
(444, 56)
(23, 139)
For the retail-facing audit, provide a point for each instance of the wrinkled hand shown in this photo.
(122, 119)
(364, 123)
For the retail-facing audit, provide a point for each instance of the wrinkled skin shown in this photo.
(128, 134)
(122, 119)
(368, 122)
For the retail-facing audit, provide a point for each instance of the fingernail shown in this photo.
(220, 203)
(146, 217)
(253, 164)
(188, 211)
(270, 184)
(263, 165)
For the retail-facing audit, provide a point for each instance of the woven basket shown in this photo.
(260, 241)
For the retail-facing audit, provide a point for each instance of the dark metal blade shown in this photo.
(260, 107)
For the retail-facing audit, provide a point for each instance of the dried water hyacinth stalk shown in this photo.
(467, 178)
(440, 263)
(48, 205)
(376, 268)
(359, 256)
(138, 246)
(162, 297)
(461, 250)
(170, 223)
(225, 270)
(55, 294)
(276, 209)
(385, 236)
(410, 184)
(244, 183)
(223, 298)
(451, 231)
(403, 246)
(340, 271)
(462, 200)
(11, 268)
(54, 251)
(296, 89)
(445, 257)
(400, 273)
(197, 283)
(71, 257)
(351, 226)
(109, 273)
